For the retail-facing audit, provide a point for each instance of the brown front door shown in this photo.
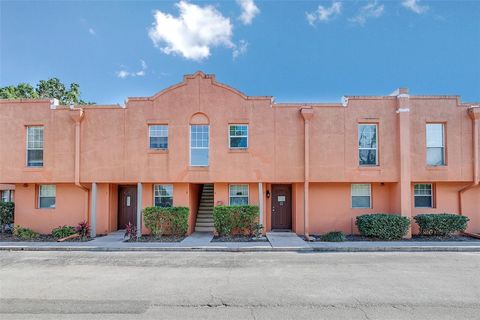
(281, 207)
(127, 205)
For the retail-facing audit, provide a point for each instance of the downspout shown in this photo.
(77, 115)
(307, 114)
(474, 113)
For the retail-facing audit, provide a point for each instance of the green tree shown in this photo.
(49, 89)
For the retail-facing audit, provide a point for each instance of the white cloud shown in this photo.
(193, 33)
(92, 31)
(370, 10)
(240, 49)
(414, 6)
(125, 73)
(324, 14)
(249, 11)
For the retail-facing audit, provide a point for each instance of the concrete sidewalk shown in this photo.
(279, 245)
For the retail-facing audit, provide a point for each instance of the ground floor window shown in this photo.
(361, 195)
(6, 196)
(47, 196)
(238, 194)
(423, 194)
(163, 195)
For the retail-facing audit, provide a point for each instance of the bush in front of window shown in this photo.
(236, 219)
(7, 210)
(166, 220)
(442, 224)
(334, 236)
(25, 233)
(63, 231)
(383, 226)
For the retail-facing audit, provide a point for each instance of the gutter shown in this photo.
(77, 115)
(474, 113)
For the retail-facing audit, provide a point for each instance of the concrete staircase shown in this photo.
(204, 221)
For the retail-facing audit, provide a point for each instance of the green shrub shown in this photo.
(6, 214)
(334, 236)
(25, 233)
(383, 226)
(236, 219)
(444, 224)
(166, 220)
(62, 232)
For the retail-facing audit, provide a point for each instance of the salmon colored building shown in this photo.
(311, 167)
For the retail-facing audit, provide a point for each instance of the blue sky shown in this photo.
(292, 50)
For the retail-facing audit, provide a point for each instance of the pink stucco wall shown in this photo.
(114, 151)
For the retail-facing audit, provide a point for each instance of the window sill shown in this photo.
(157, 151)
(33, 169)
(244, 150)
(198, 168)
(370, 168)
(436, 168)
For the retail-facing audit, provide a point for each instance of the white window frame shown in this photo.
(230, 136)
(27, 148)
(150, 136)
(160, 196)
(366, 148)
(369, 195)
(442, 144)
(431, 195)
(236, 196)
(40, 196)
(190, 146)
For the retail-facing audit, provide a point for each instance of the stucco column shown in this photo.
(139, 209)
(307, 114)
(260, 203)
(93, 211)
(405, 168)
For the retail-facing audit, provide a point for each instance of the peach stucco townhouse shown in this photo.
(311, 167)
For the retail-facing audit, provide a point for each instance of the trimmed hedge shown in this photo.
(166, 220)
(334, 236)
(383, 226)
(7, 210)
(442, 224)
(236, 219)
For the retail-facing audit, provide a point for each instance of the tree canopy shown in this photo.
(49, 89)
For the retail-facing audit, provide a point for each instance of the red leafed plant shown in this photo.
(83, 229)
(131, 231)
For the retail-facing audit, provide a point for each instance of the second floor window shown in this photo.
(199, 145)
(46, 196)
(35, 146)
(435, 144)
(238, 136)
(158, 135)
(367, 145)
(163, 195)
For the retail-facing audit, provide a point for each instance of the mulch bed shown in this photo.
(149, 238)
(238, 238)
(8, 237)
(414, 238)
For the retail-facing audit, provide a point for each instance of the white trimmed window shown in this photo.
(158, 136)
(423, 195)
(238, 136)
(238, 194)
(361, 195)
(35, 146)
(163, 195)
(47, 196)
(367, 145)
(5, 196)
(435, 144)
(199, 145)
